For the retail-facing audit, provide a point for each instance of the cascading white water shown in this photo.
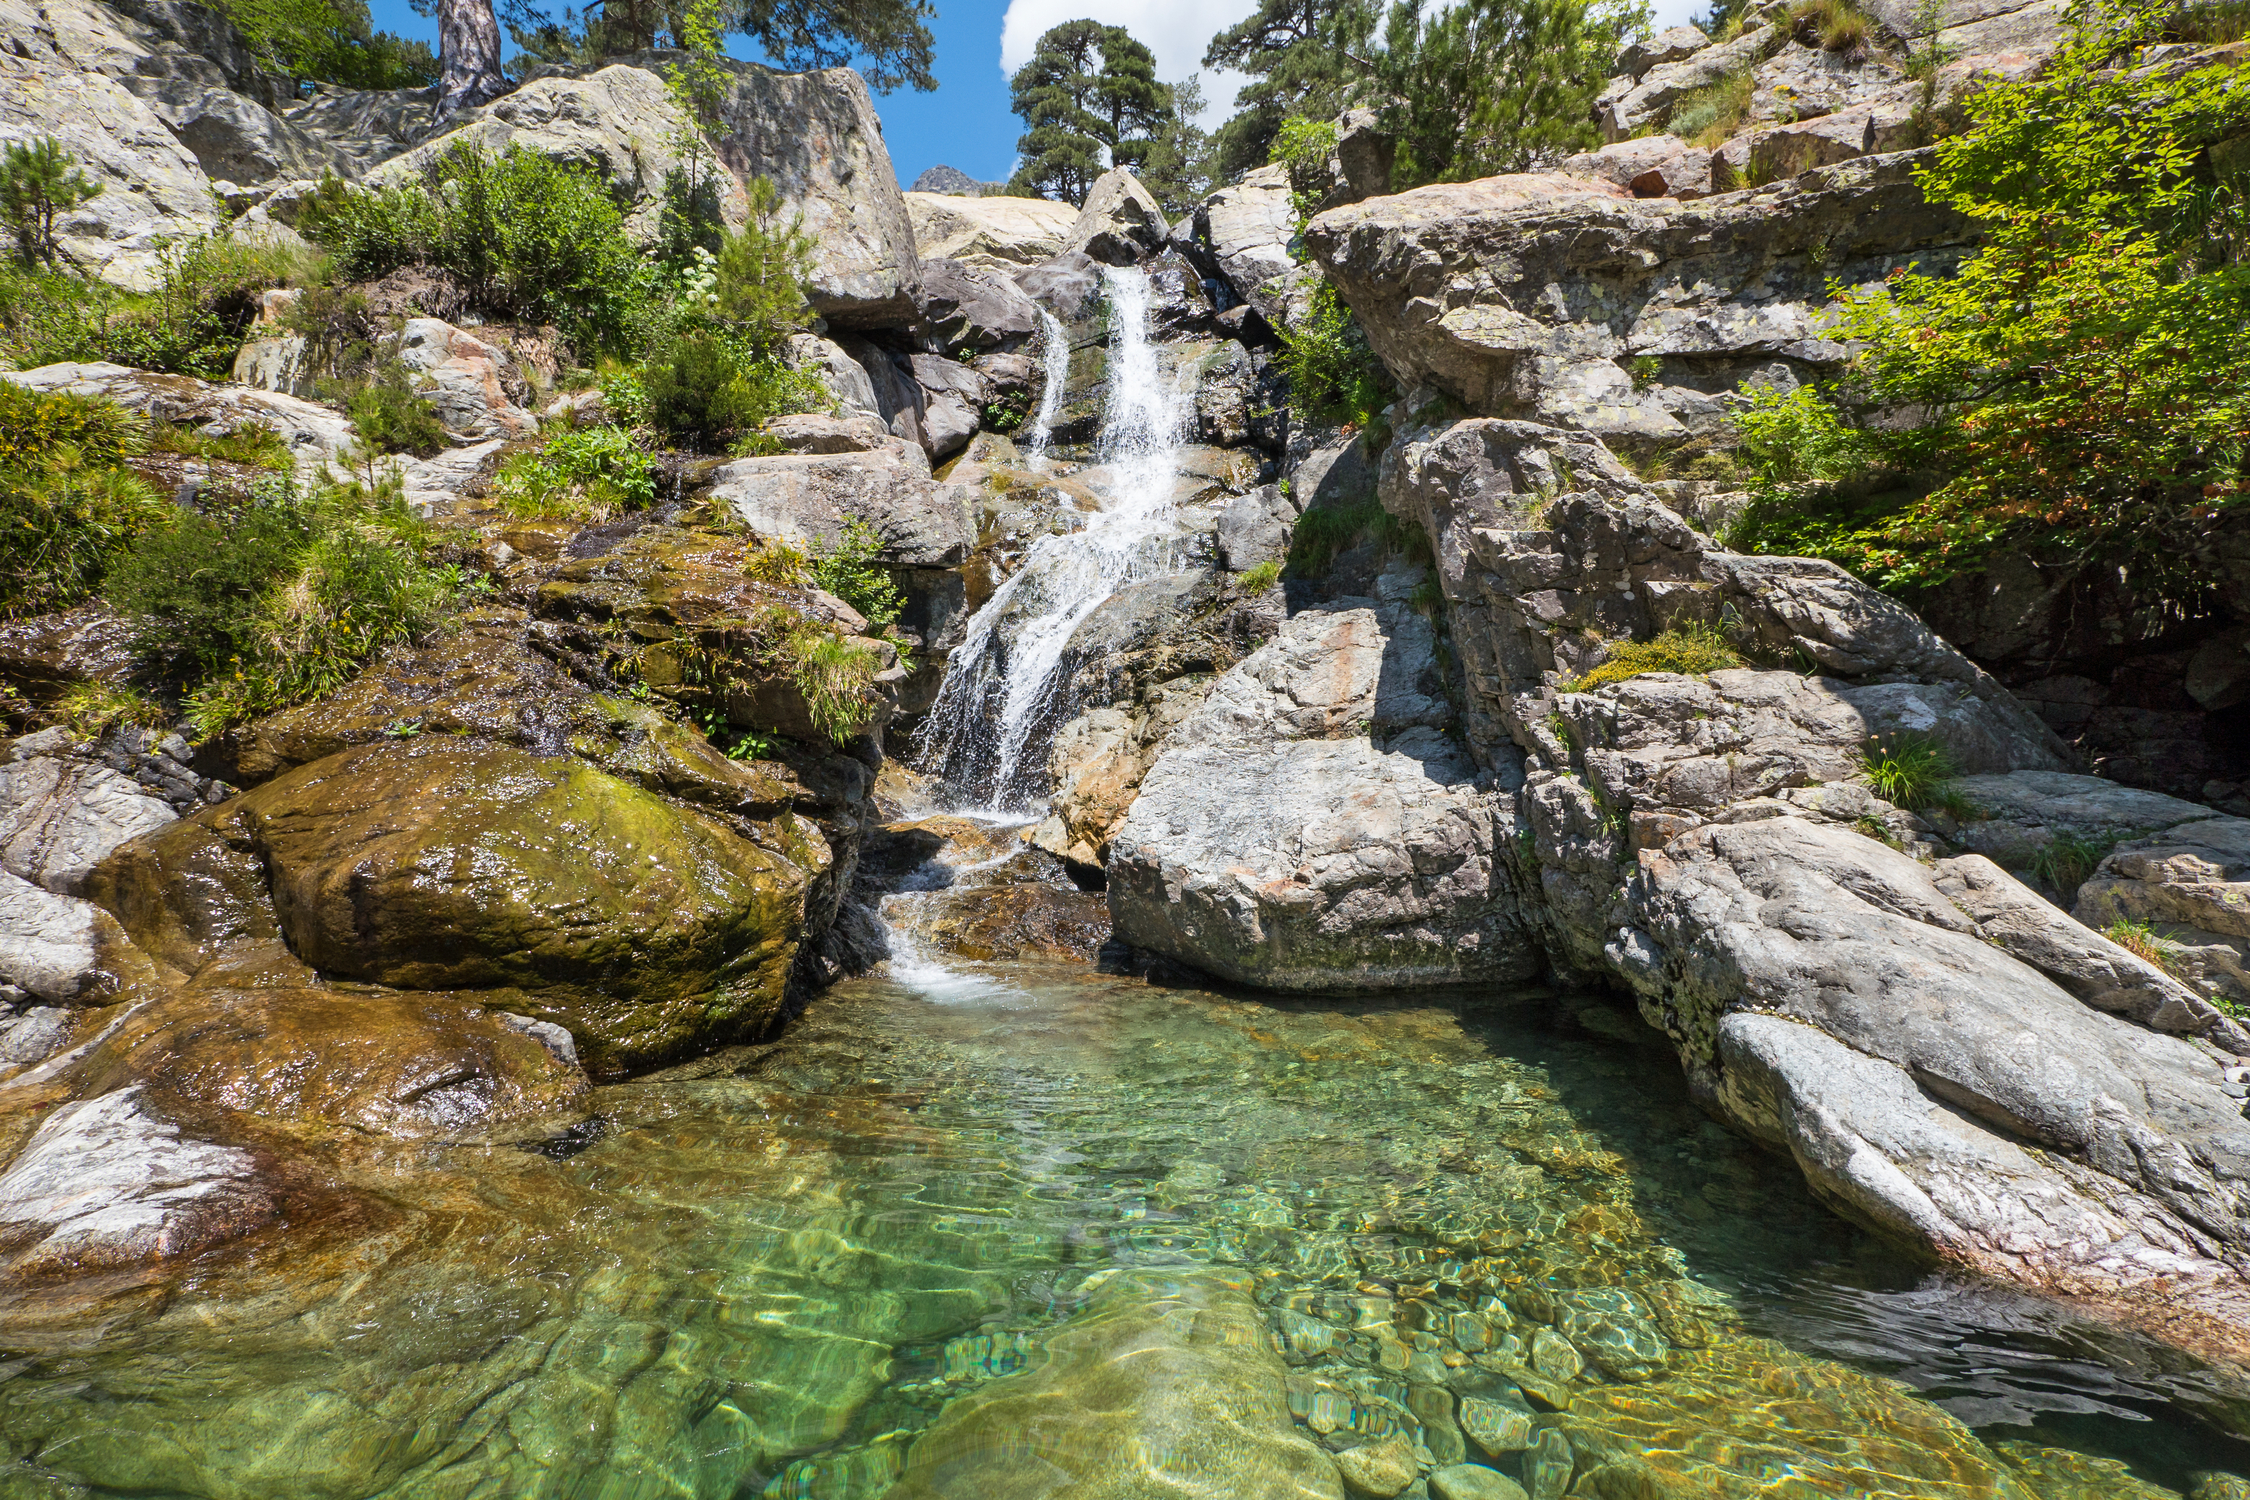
(1051, 393)
(1003, 696)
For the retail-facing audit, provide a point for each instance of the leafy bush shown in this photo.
(848, 570)
(38, 181)
(590, 473)
(529, 238)
(1303, 145)
(67, 504)
(2076, 387)
(709, 390)
(1906, 769)
(1690, 649)
(280, 598)
(389, 417)
(1334, 378)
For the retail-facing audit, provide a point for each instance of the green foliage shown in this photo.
(192, 324)
(1176, 163)
(1690, 649)
(590, 473)
(1089, 96)
(1906, 769)
(761, 269)
(1258, 579)
(529, 238)
(1303, 145)
(33, 424)
(1288, 51)
(1326, 530)
(68, 504)
(1485, 86)
(253, 443)
(331, 41)
(280, 598)
(887, 41)
(1832, 25)
(91, 708)
(38, 180)
(1334, 378)
(708, 390)
(2080, 383)
(2068, 860)
(848, 570)
(2143, 941)
(389, 417)
(1709, 115)
(835, 675)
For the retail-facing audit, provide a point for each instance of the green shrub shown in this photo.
(589, 473)
(1334, 378)
(280, 598)
(760, 270)
(848, 570)
(1690, 649)
(1833, 25)
(1906, 769)
(67, 503)
(708, 390)
(35, 423)
(529, 238)
(252, 443)
(388, 416)
(835, 675)
(1301, 144)
(2072, 391)
(38, 180)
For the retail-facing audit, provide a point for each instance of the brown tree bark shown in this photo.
(469, 50)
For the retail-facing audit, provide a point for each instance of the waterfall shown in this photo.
(1050, 394)
(1006, 686)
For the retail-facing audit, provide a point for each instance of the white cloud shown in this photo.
(1177, 31)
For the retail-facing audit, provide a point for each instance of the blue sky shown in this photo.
(966, 122)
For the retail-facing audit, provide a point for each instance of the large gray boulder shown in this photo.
(808, 500)
(1314, 825)
(1000, 234)
(233, 138)
(1557, 285)
(973, 307)
(2190, 884)
(1120, 222)
(1246, 230)
(60, 817)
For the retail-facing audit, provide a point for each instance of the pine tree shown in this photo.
(1092, 101)
(39, 180)
(1289, 50)
(887, 40)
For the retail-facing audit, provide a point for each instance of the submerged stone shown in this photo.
(1495, 1424)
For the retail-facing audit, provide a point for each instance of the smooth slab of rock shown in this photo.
(1311, 826)
(107, 1183)
(1166, 1388)
(641, 926)
(974, 307)
(54, 945)
(60, 818)
(997, 233)
(408, 1066)
(808, 500)
(2016, 814)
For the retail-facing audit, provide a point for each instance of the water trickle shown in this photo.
(1057, 374)
(1006, 686)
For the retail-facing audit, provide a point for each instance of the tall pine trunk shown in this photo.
(469, 44)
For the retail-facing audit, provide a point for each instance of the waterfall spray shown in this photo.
(1057, 371)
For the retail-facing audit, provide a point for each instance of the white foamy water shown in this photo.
(1051, 394)
(1005, 687)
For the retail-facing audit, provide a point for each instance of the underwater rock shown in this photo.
(1496, 1426)
(1473, 1482)
(1167, 1385)
(642, 926)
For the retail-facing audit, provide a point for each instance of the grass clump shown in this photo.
(257, 605)
(1707, 116)
(2145, 942)
(2068, 860)
(834, 674)
(1335, 380)
(91, 708)
(1836, 26)
(847, 568)
(389, 416)
(1258, 579)
(588, 473)
(1692, 650)
(1908, 770)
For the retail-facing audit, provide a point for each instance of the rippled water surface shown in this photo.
(769, 1280)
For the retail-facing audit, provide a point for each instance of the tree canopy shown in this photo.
(1288, 47)
(1091, 100)
(2078, 388)
(887, 40)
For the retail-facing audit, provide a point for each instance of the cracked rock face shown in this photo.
(1313, 825)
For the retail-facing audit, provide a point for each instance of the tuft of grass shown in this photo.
(587, 473)
(2068, 860)
(92, 707)
(1707, 116)
(1836, 26)
(834, 674)
(2143, 941)
(778, 563)
(1690, 649)
(1909, 770)
(254, 443)
(1260, 578)
(389, 416)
